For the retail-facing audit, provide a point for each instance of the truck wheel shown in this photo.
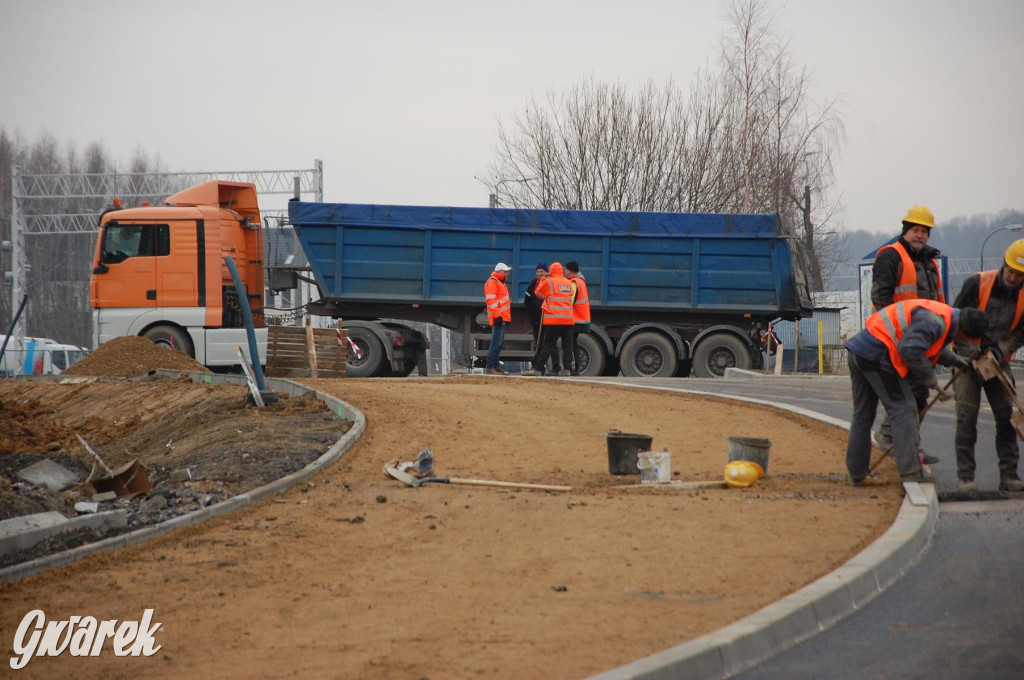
(171, 338)
(648, 355)
(372, 361)
(589, 355)
(718, 352)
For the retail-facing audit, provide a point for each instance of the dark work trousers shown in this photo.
(968, 402)
(920, 392)
(875, 381)
(548, 346)
(556, 366)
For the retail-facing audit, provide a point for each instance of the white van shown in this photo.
(39, 356)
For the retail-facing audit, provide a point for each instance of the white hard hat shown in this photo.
(502, 267)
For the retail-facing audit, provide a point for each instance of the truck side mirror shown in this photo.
(100, 269)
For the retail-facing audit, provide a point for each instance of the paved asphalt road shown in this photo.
(960, 612)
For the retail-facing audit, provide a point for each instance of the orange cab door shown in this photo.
(129, 252)
(179, 273)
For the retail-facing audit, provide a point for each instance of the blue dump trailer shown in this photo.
(669, 292)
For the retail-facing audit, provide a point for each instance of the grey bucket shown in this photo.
(750, 448)
(622, 451)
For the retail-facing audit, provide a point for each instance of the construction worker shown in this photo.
(533, 310)
(499, 313)
(580, 310)
(906, 270)
(556, 292)
(906, 338)
(998, 293)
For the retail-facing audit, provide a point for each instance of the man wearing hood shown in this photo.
(556, 293)
(907, 270)
(902, 340)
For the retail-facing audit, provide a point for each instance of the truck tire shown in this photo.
(717, 352)
(373, 360)
(171, 338)
(589, 355)
(648, 355)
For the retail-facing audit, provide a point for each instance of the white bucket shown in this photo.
(655, 467)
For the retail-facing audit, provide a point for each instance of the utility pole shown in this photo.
(17, 246)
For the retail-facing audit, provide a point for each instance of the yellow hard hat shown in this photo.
(741, 473)
(1015, 255)
(920, 214)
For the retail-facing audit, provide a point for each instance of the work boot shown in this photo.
(968, 486)
(563, 373)
(923, 476)
(532, 371)
(574, 373)
(927, 458)
(493, 371)
(1011, 484)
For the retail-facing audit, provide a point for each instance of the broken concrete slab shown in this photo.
(181, 475)
(105, 496)
(85, 507)
(48, 473)
(28, 535)
(15, 525)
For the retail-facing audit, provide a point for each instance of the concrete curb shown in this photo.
(341, 409)
(810, 610)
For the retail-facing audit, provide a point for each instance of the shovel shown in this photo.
(391, 469)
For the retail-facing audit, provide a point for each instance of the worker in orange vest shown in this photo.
(999, 294)
(557, 322)
(580, 311)
(904, 339)
(499, 313)
(906, 270)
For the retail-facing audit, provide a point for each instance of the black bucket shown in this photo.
(622, 451)
(752, 449)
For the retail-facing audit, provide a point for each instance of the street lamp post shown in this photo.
(1009, 227)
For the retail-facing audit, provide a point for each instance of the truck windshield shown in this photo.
(121, 241)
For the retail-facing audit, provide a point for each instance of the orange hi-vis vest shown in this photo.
(906, 289)
(556, 291)
(889, 324)
(498, 303)
(985, 284)
(581, 300)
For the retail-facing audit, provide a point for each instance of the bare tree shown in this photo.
(746, 137)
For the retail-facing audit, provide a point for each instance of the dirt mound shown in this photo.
(132, 355)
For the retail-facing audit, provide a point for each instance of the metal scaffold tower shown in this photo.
(56, 204)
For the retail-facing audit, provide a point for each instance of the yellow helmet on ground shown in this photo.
(920, 214)
(741, 473)
(1015, 255)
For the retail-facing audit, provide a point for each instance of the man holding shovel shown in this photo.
(899, 341)
(556, 292)
(998, 293)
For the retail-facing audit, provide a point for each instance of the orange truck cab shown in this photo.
(159, 272)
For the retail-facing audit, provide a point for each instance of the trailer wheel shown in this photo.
(648, 355)
(718, 352)
(171, 338)
(372, 361)
(589, 355)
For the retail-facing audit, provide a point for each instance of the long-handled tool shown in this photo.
(391, 468)
(920, 416)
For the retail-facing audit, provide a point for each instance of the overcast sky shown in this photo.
(401, 100)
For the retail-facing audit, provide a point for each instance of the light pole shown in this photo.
(1009, 227)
